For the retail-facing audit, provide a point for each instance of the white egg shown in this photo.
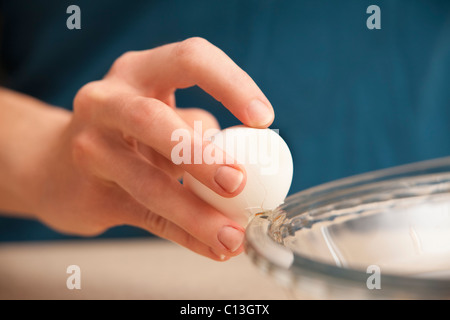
(269, 167)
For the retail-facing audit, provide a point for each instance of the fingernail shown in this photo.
(228, 178)
(231, 238)
(259, 113)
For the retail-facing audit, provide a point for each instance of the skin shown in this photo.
(108, 162)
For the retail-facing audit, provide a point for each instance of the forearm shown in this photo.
(26, 126)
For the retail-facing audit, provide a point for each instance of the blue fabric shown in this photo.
(347, 99)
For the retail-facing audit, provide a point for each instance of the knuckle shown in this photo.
(83, 147)
(123, 62)
(90, 94)
(156, 223)
(93, 230)
(144, 112)
(187, 51)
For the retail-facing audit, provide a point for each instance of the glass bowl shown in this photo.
(379, 235)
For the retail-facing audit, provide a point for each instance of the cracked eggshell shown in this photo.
(269, 167)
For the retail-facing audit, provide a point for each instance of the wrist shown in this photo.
(28, 131)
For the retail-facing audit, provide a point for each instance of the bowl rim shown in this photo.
(392, 284)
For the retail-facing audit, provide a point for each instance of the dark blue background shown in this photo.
(347, 99)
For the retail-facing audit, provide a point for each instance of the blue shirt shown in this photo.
(347, 99)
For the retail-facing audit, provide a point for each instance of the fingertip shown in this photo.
(259, 114)
(220, 257)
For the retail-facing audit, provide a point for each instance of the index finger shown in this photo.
(196, 61)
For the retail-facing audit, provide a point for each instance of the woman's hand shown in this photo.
(109, 163)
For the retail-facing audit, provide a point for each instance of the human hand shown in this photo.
(111, 165)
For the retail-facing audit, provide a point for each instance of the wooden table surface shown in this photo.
(128, 269)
